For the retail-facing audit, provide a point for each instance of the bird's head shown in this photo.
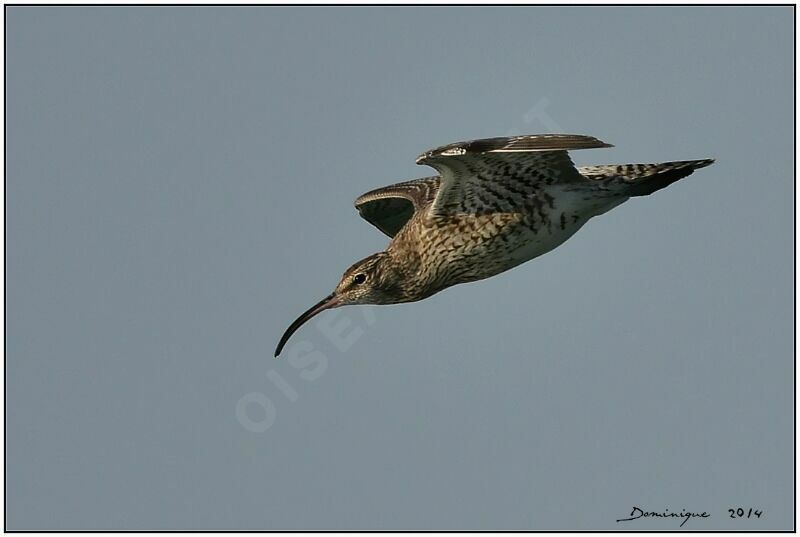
(373, 280)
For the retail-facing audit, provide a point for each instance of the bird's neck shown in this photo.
(408, 270)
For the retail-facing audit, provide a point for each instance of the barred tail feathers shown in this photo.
(642, 179)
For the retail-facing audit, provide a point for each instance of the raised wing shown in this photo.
(390, 207)
(502, 174)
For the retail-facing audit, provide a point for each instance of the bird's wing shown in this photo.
(390, 207)
(499, 174)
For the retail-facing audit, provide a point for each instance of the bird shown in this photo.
(495, 203)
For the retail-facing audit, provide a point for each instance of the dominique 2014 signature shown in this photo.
(686, 515)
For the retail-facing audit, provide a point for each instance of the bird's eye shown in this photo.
(360, 278)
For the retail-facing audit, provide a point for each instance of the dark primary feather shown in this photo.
(530, 142)
(501, 174)
(390, 207)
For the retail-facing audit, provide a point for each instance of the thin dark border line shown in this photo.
(399, 5)
(5, 266)
(794, 264)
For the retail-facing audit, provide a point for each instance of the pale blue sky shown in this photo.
(179, 188)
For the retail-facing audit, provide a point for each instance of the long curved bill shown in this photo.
(330, 301)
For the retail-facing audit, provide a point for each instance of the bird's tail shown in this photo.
(641, 179)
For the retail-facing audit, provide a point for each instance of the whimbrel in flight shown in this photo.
(496, 203)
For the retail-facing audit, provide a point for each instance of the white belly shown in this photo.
(577, 212)
(541, 243)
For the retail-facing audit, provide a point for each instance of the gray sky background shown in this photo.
(179, 188)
